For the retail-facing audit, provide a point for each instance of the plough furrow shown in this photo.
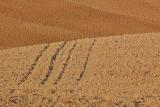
(65, 64)
(86, 61)
(32, 67)
(53, 60)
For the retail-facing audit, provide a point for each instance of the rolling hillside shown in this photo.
(39, 21)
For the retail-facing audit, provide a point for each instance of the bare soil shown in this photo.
(121, 71)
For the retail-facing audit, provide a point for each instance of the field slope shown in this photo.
(39, 21)
(120, 71)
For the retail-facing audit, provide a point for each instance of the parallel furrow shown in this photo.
(53, 60)
(86, 61)
(32, 67)
(65, 64)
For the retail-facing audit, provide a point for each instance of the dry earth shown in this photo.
(120, 71)
(26, 22)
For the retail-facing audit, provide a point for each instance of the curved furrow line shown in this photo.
(53, 60)
(32, 67)
(86, 61)
(65, 64)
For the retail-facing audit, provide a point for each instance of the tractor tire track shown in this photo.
(32, 67)
(53, 59)
(65, 64)
(86, 61)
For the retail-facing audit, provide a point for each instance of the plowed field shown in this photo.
(121, 71)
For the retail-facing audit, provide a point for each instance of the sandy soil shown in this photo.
(120, 71)
(26, 22)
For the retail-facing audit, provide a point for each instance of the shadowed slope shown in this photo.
(31, 22)
(145, 9)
